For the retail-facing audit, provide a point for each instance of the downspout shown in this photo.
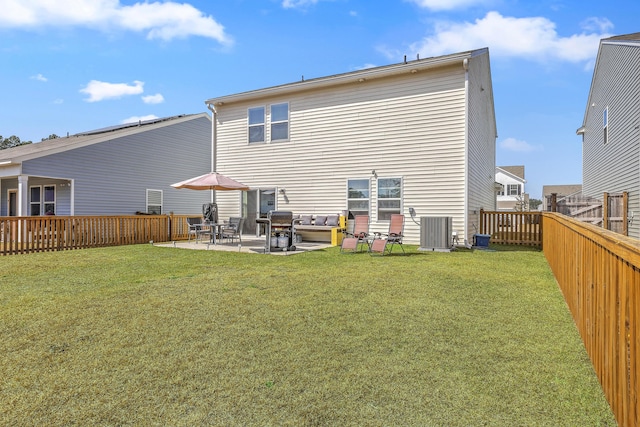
(465, 65)
(214, 115)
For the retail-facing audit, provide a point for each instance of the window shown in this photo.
(389, 197)
(42, 200)
(358, 196)
(605, 124)
(256, 124)
(500, 190)
(154, 202)
(279, 122)
(514, 189)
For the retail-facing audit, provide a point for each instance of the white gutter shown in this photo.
(214, 145)
(465, 65)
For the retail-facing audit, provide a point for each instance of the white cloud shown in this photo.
(292, 4)
(99, 91)
(446, 4)
(159, 20)
(532, 38)
(40, 78)
(58, 101)
(136, 119)
(512, 144)
(153, 99)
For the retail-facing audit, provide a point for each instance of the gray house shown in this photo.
(611, 126)
(121, 170)
(417, 136)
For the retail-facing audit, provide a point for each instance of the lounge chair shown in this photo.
(232, 229)
(352, 242)
(384, 243)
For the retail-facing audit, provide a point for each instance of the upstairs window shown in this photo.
(514, 189)
(280, 122)
(256, 124)
(500, 190)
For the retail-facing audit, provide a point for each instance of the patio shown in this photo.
(250, 244)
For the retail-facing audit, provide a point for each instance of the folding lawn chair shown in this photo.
(353, 241)
(381, 245)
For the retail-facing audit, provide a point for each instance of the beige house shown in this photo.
(418, 136)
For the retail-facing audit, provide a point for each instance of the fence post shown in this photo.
(605, 210)
(554, 202)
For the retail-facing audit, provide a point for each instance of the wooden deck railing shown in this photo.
(19, 235)
(513, 228)
(598, 272)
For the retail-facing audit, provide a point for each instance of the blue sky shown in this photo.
(79, 65)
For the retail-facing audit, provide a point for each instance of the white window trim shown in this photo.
(41, 203)
(368, 199)
(378, 198)
(263, 124)
(273, 122)
(147, 205)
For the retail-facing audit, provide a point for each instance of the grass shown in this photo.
(143, 335)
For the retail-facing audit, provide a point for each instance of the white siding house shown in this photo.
(611, 126)
(420, 134)
(119, 170)
(510, 194)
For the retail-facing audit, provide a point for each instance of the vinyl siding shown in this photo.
(482, 143)
(614, 167)
(111, 177)
(410, 126)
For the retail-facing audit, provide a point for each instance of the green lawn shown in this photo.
(144, 335)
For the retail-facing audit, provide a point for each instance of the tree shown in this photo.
(12, 141)
(534, 204)
(52, 136)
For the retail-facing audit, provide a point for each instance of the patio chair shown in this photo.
(232, 229)
(195, 226)
(384, 243)
(352, 242)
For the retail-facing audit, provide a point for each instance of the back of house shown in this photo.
(419, 134)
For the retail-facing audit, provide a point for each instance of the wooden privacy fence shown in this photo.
(513, 228)
(598, 272)
(19, 235)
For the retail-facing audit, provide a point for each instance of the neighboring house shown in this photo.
(420, 134)
(114, 171)
(510, 194)
(561, 191)
(611, 126)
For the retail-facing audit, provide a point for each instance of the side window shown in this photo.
(500, 189)
(42, 200)
(280, 122)
(256, 124)
(389, 197)
(358, 195)
(35, 201)
(154, 202)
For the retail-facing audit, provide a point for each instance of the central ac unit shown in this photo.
(436, 233)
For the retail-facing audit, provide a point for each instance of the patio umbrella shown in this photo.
(211, 181)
